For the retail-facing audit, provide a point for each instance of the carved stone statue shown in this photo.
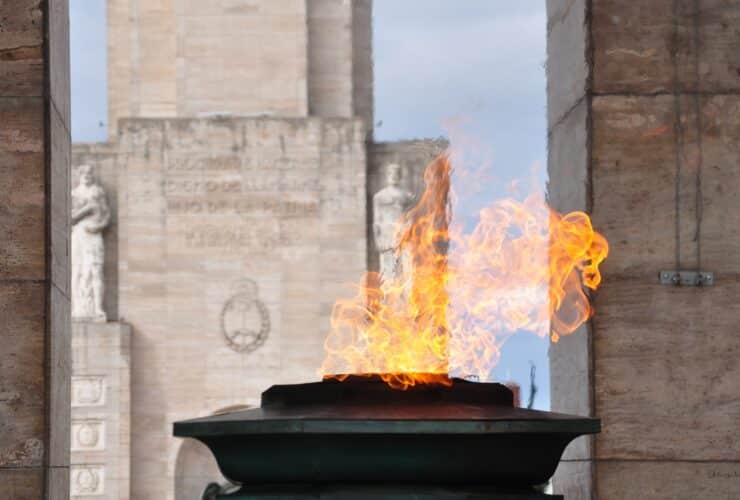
(90, 216)
(389, 206)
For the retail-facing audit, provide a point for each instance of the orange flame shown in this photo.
(521, 268)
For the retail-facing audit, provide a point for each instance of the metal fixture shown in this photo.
(686, 278)
(360, 439)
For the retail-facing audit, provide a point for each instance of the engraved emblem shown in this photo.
(88, 390)
(245, 320)
(88, 435)
(86, 480)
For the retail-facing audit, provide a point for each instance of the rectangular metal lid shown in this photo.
(367, 405)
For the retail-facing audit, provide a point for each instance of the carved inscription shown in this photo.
(290, 183)
(244, 206)
(259, 182)
(205, 164)
(193, 186)
(268, 181)
(197, 186)
(257, 238)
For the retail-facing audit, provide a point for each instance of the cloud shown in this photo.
(448, 59)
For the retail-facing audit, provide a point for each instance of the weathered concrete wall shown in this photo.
(647, 141)
(207, 207)
(188, 57)
(34, 249)
(102, 157)
(413, 157)
(101, 410)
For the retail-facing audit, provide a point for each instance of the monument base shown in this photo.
(101, 396)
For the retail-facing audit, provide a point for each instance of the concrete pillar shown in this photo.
(644, 129)
(34, 249)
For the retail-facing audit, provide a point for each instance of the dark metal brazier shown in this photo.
(362, 431)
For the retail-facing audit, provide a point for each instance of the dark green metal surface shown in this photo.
(385, 492)
(360, 431)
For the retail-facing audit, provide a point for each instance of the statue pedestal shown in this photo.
(101, 408)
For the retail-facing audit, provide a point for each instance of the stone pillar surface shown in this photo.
(330, 58)
(101, 409)
(34, 249)
(340, 65)
(644, 134)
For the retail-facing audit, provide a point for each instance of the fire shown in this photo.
(465, 292)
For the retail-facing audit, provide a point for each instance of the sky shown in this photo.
(478, 65)
(89, 76)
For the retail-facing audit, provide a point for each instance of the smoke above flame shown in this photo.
(466, 288)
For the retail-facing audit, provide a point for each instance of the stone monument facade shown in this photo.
(236, 235)
(239, 177)
(287, 58)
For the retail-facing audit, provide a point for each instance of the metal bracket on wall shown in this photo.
(686, 278)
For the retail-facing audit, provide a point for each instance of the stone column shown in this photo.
(340, 59)
(101, 410)
(644, 122)
(34, 249)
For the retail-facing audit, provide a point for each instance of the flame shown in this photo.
(465, 292)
